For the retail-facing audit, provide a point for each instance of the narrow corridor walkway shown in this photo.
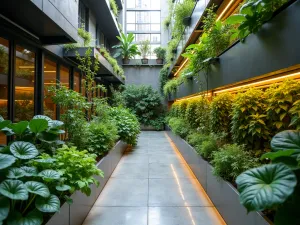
(152, 185)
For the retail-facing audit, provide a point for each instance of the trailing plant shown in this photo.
(84, 41)
(113, 62)
(163, 77)
(160, 52)
(249, 124)
(144, 102)
(127, 124)
(171, 49)
(114, 7)
(275, 186)
(219, 115)
(126, 49)
(167, 21)
(145, 48)
(171, 86)
(174, 111)
(231, 160)
(179, 126)
(252, 15)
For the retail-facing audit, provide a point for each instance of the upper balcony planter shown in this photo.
(274, 48)
(105, 73)
(120, 4)
(137, 62)
(105, 17)
(57, 22)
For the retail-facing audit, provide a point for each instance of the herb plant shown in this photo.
(145, 48)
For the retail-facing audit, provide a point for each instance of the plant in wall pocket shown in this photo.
(126, 48)
(160, 54)
(145, 50)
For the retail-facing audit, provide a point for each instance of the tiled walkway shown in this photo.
(152, 185)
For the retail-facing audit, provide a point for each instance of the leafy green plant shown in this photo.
(114, 7)
(275, 186)
(160, 52)
(231, 160)
(144, 102)
(171, 86)
(163, 77)
(145, 48)
(219, 115)
(167, 21)
(179, 126)
(252, 15)
(126, 49)
(207, 148)
(196, 139)
(249, 125)
(127, 124)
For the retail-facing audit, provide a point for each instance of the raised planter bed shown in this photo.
(75, 213)
(224, 196)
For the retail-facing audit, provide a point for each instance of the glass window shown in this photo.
(24, 84)
(77, 82)
(155, 4)
(64, 76)
(130, 3)
(83, 87)
(131, 17)
(143, 4)
(142, 37)
(155, 37)
(130, 27)
(83, 16)
(143, 27)
(50, 75)
(142, 17)
(155, 17)
(155, 27)
(4, 52)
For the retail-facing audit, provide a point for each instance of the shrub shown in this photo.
(179, 126)
(102, 136)
(182, 108)
(207, 148)
(219, 115)
(160, 52)
(196, 139)
(202, 113)
(163, 77)
(249, 125)
(170, 87)
(174, 111)
(127, 124)
(231, 160)
(144, 102)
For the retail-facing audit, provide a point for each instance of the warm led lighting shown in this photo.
(258, 82)
(183, 64)
(24, 88)
(196, 96)
(229, 4)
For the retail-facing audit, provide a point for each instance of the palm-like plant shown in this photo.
(126, 48)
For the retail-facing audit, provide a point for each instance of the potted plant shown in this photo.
(187, 21)
(126, 48)
(145, 50)
(160, 54)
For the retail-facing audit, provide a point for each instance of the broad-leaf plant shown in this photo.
(275, 186)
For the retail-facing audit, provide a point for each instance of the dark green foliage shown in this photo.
(163, 77)
(207, 148)
(144, 102)
(196, 139)
(179, 127)
(127, 124)
(231, 160)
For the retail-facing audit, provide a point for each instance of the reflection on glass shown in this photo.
(24, 84)
(4, 50)
(143, 27)
(50, 75)
(142, 17)
(83, 87)
(64, 76)
(77, 82)
(155, 37)
(142, 37)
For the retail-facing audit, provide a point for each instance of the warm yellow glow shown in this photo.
(258, 83)
(28, 67)
(24, 88)
(196, 96)
(183, 64)
(226, 8)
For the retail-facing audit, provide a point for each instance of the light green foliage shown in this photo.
(114, 7)
(85, 41)
(207, 148)
(249, 125)
(113, 62)
(196, 139)
(179, 126)
(275, 186)
(116, 98)
(145, 48)
(252, 15)
(231, 160)
(127, 124)
(182, 108)
(219, 115)
(174, 111)
(163, 77)
(126, 49)
(160, 52)
(102, 136)
(78, 168)
(171, 86)
(282, 105)
(171, 48)
(144, 102)
(167, 21)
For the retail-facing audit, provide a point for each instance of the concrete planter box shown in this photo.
(224, 196)
(75, 213)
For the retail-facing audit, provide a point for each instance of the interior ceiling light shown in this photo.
(28, 67)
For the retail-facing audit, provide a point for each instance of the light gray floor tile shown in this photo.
(117, 216)
(131, 170)
(135, 158)
(176, 192)
(124, 192)
(165, 158)
(183, 216)
(177, 170)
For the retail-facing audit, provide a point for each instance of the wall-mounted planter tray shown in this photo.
(224, 196)
(75, 213)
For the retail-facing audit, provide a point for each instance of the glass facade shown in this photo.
(50, 77)
(76, 84)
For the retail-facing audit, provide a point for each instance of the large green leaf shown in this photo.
(286, 140)
(33, 218)
(264, 187)
(56, 124)
(274, 155)
(63, 187)
(4, 207)
(6, 160)
(49, 175)
(37, 188)
(38, 125)
(19, 128)
(45, 161)
(4, 123)
(30, 171)
(48, 137)
(15, 173)
(44, 118)
(23, 150)
(14, 189)
(48, 205)
(237, 18)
